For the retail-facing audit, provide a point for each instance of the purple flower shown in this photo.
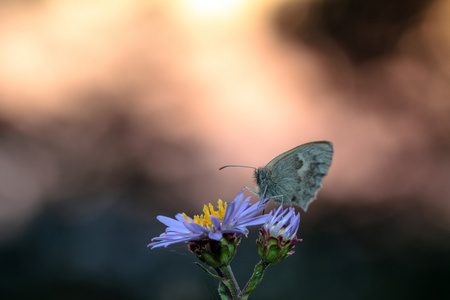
(284, 224)
(233, 217)
(277, 236)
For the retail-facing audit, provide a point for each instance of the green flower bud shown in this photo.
(214, 253)
(277, 237)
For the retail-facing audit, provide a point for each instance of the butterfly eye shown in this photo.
(263, 175)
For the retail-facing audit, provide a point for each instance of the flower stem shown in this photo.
(255, 280)
(224, 292)
(229, 281)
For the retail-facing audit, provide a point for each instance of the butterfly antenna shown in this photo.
(236, 166)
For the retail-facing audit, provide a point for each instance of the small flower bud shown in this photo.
(277, 236)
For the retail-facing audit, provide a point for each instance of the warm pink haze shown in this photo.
(217, 74)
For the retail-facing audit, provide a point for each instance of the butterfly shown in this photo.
(294, 176)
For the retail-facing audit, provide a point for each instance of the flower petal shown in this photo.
(238, 214)
(255, 221)
(216, 222)
(167, 242)
(215, 235)
(196, 228)
(232, 208)
(169, 221)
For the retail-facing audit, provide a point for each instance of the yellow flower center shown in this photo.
(208, 211)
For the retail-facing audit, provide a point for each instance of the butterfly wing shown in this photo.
(296, 175)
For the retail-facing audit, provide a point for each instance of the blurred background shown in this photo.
(114, 112)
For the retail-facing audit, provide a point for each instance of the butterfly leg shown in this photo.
(250, 189)
(254, 192)
(276, 198)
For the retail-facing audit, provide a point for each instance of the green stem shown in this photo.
(224, 292)
(255, 280)
(229, 281)
(229, 288)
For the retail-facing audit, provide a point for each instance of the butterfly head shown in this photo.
(262, 175)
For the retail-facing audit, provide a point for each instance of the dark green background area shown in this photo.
(105, 257)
